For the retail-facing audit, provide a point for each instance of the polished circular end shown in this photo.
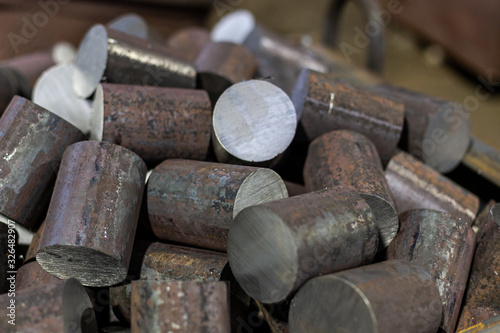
(78, 313)
(447, 137)
(234, 27)
(331, 304)
(254, 121)
(299, 92)
(91, 61)
(54, 92)
(63, 53)
(130, 24)
(262, 254)
(386, 217)
(261, 186)
(495, 212)
(92, 268)
(97, 115)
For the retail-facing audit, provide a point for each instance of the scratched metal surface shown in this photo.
(444, 246)
(32, 142)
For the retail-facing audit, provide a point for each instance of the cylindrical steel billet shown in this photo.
(275, 247)
(483, 288)
(491, 325)
(343, 158)
(325, 103)
(154, 122)
(416, 185)
(254, 122)
(181, 306)
(12, 84)
(439, 131)
(90, 226)
(32, 274)
(391, 296)
(135, 25)
(483, 159)
(30, 66)
(444, 246)
(61, 306)
(33, 247)
(220, 65)
(277, 58)
(123, 58)
(190, 41)
(32, 142)
(194, 203)
(165, 262)
(294, 189)
(475, 316)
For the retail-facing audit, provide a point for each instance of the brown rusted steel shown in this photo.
(190, 41)
(491, 325)
(444, 246)
(475, 316)
(33, 247)
(344, 158)
(439, 131)
(275, 247)
(483, 159)
(12, 84)
(183, 306)
(294, 189)
(155, 122)
(325, 103)
(61, 306)
(30, 66)
(416, 185)
(32, 142)
(391, 296)
(92, 218)
(220, 65)
(194, 203)
(121, 58)
(165, 262)
(32, 274)
(484, 216)
(482, 299)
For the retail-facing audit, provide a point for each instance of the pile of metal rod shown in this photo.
(234, 181)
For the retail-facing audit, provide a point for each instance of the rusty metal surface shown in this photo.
(439, 131)
(475, 316)
(99, 189)
(344, 158)
(194, 203)
(132, 60)
(491, 325)
(33, 247)
(275, 247)
(31, 275)
(157, 123)
(183, 306)
(444, 246)
(190, 41)
(220, 65)
(416, 185)
(483, 288)
(30, 66)
(483, 159)
(32, 142)
(482, 218)
(62, 306)
(325, 103)
(165, 262)
(391, 296)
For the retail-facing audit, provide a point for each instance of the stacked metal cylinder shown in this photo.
(285, 193)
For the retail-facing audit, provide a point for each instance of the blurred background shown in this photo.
(447, 48)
